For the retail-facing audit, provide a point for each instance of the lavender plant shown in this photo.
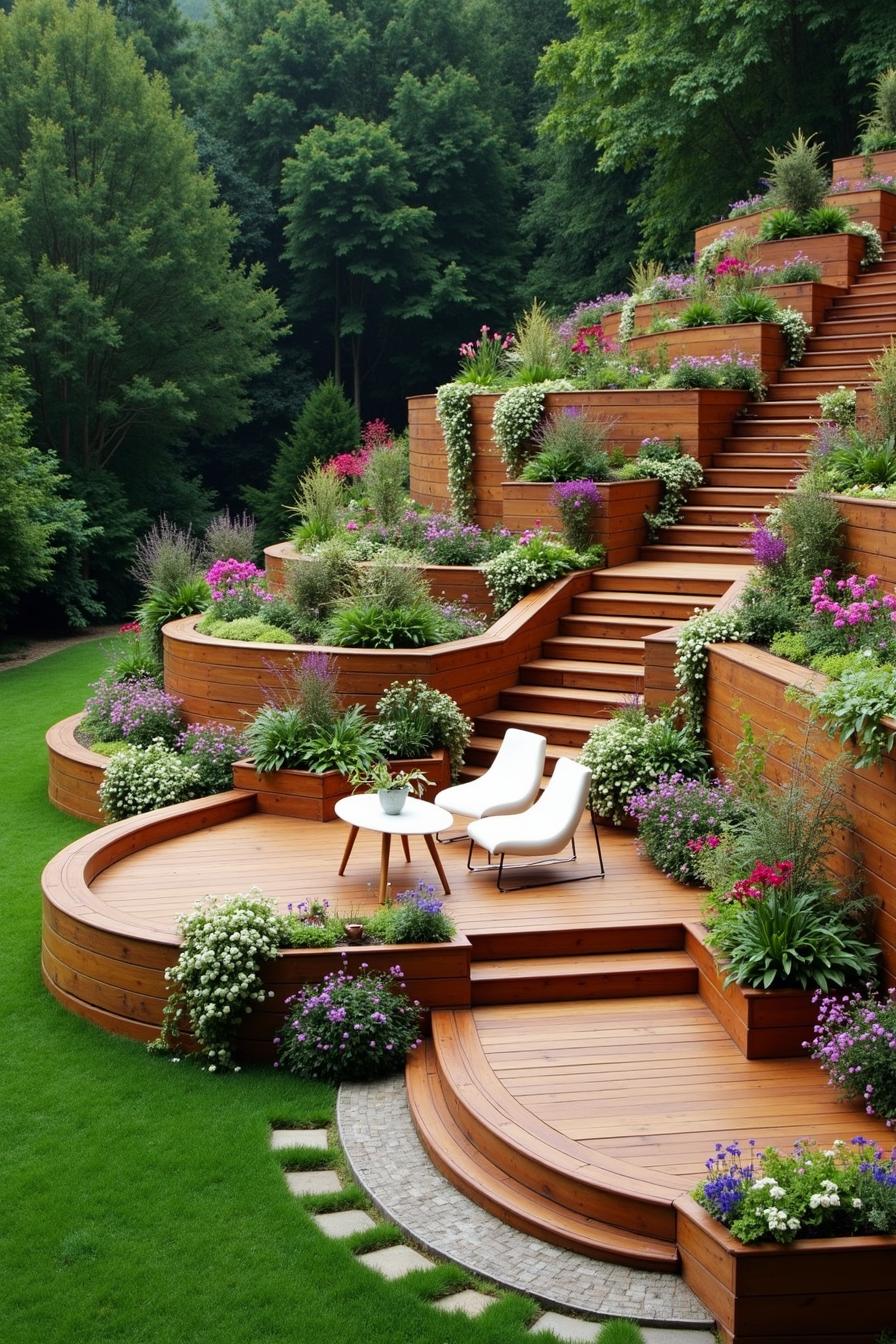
(854, 1041)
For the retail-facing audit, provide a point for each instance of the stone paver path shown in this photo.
(468, 1301)
(389, 1162)
(571, 1328)
(395, 1261)
(299, 1138)
(313, 1182)
(344, 1224)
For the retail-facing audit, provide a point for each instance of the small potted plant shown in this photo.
(391, 788)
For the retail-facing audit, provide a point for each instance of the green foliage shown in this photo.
(319, 506)
(838, 406)
(538, 354)
(326, 426)
(414, 719)
(812, 525)
(524, 567)
(790, 644)
(620, 1332)
(247, 629)
(748, 306)
(516, 417)
(797, 178)
(879, 125)
(454, 415)
(229, 537)
(701, 313)
(275, 739)
(162, 605)
(140, 779)
(321, 578)
(349, 742)
(678, 471)
(852, 708)
(856, 461)
(780, 224)
(570, 446)
(693, 641)
(883, 391)
(627, 755)
(385, 483)
(825, 219)
(367, 623)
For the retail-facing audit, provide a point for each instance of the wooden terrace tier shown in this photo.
(576, 1076)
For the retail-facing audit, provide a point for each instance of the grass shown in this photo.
(142, 1201)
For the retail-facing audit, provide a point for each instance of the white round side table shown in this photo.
(362, 812)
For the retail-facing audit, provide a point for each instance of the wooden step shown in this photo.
(662, 607)
(839, 342)
(564, 729)
(749, 476)
(696, 515)
(598, 650)
(816, 379)
(884, 326)
(783, 429)
(615, 628)
(578, 703)
(582, 674)
(824, 357)
(697, 579)
(688, 533)
(482, 750)
(590, 976)
(871, 305)
(797, 408)
(458, 1158)
(722, 555)
(534, 1153)
(759, 457)
(710, 496)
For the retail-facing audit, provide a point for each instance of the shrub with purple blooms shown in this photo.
(733, 370)
(238, 588)
(212, 748)
(136, 711)
(847, 1190)
(678, 818)
(350, 1028)
(576, 502)
(768, 548)
(416, 916)
(854, 1041)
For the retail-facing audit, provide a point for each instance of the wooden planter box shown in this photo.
(447, 583)
(745, 682)
(75, 772)
(700, 418)
(313, 797)
(810, 298)
(618, 523)
(762, 1023)
(763, 341)
(839, 1289)
(856, 167)
(869, 537)
(867, 207)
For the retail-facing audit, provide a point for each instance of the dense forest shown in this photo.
(207, 209)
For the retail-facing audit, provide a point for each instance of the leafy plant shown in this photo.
(484, 360)
(630, 752)
(838, 406)
(857, 461)
(537, 353)
(382, 775)
(879, 125)
(780, 224)
(748, 306)
(792, 645)
(797, 179)
(795, 271)
(883, 391)
(853, 706)
(665, 461)
(414, 718)
(318, 504)
(678, 818)
(570, 446)
(454, 416)
(229, 536)
(516, 417)
(701, 313)
(385, 482)
(534, 561)
(246, 629)
(853, 1040)
(693, 641)
(812, 526)
(212, 748)
(139, 779)
(319, 1038)
(276, 738)
(365, 622)
(162, 605)
(317, 582)
(826, 219)
(349, 742)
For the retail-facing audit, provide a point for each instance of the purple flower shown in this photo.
(768, 549)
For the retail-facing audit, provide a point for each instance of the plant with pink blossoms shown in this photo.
(680, 817)
(349, 466)
(483, 361)
(238, 588)
(852, 613)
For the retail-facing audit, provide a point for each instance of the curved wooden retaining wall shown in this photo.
(113, 975)
(744, 682)
(75, 772)
(700, 418)
(226, 681)
(447, 583)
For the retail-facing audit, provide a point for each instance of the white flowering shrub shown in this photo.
(694, 639)
(678, 475)
(516, 417)
(217, 977)
(454, 415)
(626, 327)
(628, 754)
(535, 560)
(139, 779)
(795, 330)
(838, 406)
(874, 247)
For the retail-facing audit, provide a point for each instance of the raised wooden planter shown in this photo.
(745, 682)
(618, 525)
(869, 536)
(810, 298)
(762, 1023)
(856, 167)
(839, 1289)
(866, 207)
(447, 583)
(75, 772)
(839, 255)
(228, 682)
(313, 797)
(113, 974)
(763, 341)
(700, 418)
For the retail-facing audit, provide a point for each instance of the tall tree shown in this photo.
(352, 237)
(159, 32)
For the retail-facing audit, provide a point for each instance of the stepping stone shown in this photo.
(395, 1261)
(567, 1327)
(299, 1138)
(313, 1182)
(344, 1224)
(468, 1301)
(654, 1334)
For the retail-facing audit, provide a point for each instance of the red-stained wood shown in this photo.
(618, 524)
(762, 341)
(75, 772)
(870, 207)
(313, 797)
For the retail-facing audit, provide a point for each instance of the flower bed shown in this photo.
(866, 207)
(618, 525)
(856, 167)
(763, 341)
(303, 793)
(839, 1288)
(810, 298)
(451, 583)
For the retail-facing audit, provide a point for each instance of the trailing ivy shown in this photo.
(874, 247)
(516, 417)
(454, 415)
(694, 639)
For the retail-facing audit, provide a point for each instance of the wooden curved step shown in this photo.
(469, 1170)
(568, 1173)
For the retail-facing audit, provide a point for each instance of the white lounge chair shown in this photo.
(508, 785)
(545, 828)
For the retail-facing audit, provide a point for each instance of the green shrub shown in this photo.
(780, 224)
(879, 125)
(392, 582)
(365, 623)
(348, 743)
(537, 354)
(627, 755)
(212, 748)
(318, 504)
(812, 525)
(414, 719)
(701, 313)
(569, 446)
(835, 664)
(795, 272)
(162, 605)
(748, 306)
(883, 392)
(770, 607)
(165, 558)
(536, 560)
(852, 708)
(275, 739)
(247, 629)
(229, 537)
(797, 178)
(317, 582)
(620, 1332)
(792, 645)
(305, 933)
(857, 461)
(385, 483)
(415, 916)
(826, 219)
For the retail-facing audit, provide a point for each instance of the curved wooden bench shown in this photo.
(228, 681)
(75, 772)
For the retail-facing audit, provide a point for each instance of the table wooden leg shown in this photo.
(407, 849)
(349, 845)
(384, 866)
(434, 853)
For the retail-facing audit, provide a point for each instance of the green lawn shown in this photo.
(141, 1202)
